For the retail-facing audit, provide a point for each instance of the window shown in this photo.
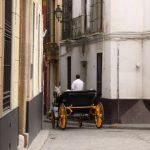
(66, 19)
(7, 55)
(99, 73)
(96, 16)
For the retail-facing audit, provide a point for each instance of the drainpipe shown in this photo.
(118, 101)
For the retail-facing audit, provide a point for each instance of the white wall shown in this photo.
(128, 18)
(146, 9)
(106, 80)
(63, 68)
(130, 69)
(146, 69)
(126, 15)
(146, 51)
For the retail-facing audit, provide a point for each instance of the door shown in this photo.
(69, 72)
(99, 73)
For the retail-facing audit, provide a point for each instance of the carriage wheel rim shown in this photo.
(62, 116)
(99, 115)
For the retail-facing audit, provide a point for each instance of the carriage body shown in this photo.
(79, 103)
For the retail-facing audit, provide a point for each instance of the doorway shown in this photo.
(99, 73)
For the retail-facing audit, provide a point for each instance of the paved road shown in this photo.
(91, 138)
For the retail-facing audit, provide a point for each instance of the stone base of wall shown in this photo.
(9, 135)
(126, 111)
(34, 116)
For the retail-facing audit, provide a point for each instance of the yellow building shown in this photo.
(21, 56)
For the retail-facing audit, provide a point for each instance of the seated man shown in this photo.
(77, 84)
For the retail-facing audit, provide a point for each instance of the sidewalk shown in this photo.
(40, 139)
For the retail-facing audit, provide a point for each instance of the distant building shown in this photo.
(107, 43)
(21, 58)
(51, 51)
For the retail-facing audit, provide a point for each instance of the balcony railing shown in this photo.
(77, 27)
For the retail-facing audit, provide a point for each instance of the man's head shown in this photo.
(77, 76)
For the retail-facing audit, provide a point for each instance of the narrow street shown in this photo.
(91, 138)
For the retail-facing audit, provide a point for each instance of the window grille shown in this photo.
(7, 55)
(77, 26)
(66, 18)
(96, 16)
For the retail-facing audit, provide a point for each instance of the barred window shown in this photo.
(67, 17)
(96, 16)
(7, 55)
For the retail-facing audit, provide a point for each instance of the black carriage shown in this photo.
(77, 104)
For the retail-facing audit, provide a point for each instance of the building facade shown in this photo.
(21, 57)
(51, 51)
(106, 42)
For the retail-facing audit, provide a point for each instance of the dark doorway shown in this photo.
(69, 71)
(99, 73)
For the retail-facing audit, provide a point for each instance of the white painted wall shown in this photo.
(63, 68)
(126, 15)
(146, 69)
(130, 69)
(91, 67)
(106, 86)
(128, 18)
(146, 9)
(75, 62)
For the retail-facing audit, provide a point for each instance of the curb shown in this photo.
(128, 126)
(40, 139)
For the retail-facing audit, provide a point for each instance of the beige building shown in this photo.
(21, 55)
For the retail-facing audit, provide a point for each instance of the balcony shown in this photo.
(77, 28)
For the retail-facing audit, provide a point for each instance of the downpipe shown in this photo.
(118, 101)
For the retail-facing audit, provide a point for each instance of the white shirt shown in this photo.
(77, 85)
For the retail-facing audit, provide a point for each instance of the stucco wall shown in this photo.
(63, 68)
(146, 69)
(130, 69)
(146, 11)
(106, 76)
(126, 15)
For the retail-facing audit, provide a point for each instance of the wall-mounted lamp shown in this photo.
(58, 13)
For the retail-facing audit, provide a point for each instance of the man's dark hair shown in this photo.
(77, 76)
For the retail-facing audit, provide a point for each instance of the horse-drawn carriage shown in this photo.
(76, 104)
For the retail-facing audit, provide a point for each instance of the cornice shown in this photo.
(99, 37)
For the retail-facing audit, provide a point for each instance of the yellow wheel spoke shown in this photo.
(62, 116)
(99, 115)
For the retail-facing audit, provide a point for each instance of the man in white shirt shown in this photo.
(77, 84)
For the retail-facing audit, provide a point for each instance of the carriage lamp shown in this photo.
(58, 13)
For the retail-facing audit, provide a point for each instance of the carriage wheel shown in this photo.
(62, 116)
(52, 119)
(99, 114)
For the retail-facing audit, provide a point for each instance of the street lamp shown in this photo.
(58, 13)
